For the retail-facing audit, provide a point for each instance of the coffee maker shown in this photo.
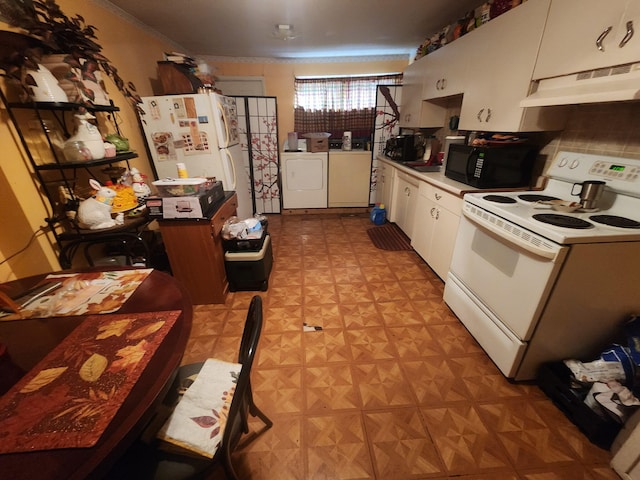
(404, 148)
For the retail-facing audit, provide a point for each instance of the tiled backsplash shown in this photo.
(604, 128)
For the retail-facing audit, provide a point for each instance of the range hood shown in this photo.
(613, 84)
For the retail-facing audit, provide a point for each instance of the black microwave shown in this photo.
(503, 166)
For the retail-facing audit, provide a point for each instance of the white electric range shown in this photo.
(533, 284)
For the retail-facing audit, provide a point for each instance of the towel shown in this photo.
(196, 425)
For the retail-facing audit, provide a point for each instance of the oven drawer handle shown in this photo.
(540, 252)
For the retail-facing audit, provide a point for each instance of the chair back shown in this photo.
(237, 421)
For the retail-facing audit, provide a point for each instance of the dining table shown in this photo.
(32, 342)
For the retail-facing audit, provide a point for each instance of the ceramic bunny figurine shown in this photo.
(95, 212)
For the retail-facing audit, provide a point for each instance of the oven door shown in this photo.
(509, 270)
(503, 347)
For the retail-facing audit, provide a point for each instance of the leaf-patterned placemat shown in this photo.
(70, 397)
(85, 293)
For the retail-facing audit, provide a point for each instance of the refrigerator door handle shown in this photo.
(233, 177)
(224, 119)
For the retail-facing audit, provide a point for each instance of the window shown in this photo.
(338, 104)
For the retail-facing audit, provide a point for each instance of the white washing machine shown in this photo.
(304, 179)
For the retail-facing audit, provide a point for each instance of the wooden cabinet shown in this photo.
(404, 202)
(196, 255)
(349, 179)
(499, 78)
(446, 71)
(177, 79)
(574, 30)
(414, 113)
(437, 215)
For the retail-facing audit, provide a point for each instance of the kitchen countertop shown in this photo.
(358, 151)
(438, 179)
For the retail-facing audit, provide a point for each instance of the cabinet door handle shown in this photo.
(438, 84)
(601, 39)
(628, 35)
(437, 214)
(438, 196)
(433, 209)
(444, 83)
(487, 116)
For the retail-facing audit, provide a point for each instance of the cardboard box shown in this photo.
(317, 142)
(197, 206)
(317, 145)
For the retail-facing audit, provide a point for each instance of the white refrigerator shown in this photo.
(201, 131)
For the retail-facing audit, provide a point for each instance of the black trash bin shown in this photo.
(248, 270)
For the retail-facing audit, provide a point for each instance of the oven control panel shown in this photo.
(617, 170)
(620, 174)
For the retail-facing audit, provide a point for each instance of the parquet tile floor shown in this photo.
(393, 387)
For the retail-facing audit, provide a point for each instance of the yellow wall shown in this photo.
(135, 53)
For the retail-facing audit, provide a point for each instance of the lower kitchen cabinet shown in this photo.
(349, 179)
(437, 214)
(404, 202)
(196, 254)
(386, 179)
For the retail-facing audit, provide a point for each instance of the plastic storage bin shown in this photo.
(182, 187)
(554, 381)
(251, 244)
(249, 270)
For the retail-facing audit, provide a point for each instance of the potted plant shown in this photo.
(75, 44)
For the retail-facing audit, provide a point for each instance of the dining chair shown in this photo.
(152, 458)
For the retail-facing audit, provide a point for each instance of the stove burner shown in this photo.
(615, 221)
(499, 199)
(533, 197)
(562, 220)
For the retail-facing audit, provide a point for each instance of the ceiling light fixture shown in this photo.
(284, 32)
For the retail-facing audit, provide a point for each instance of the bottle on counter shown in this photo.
(182, 170)
(346, 141)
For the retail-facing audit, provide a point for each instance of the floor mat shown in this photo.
(389, 237)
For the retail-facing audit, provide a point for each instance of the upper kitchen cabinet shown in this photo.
(500, 72)
(414, 113)
(583, 35)
(446, 71)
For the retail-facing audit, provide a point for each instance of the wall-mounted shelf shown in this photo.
(87, 163)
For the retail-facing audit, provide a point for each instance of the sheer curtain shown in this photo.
(338, 104)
